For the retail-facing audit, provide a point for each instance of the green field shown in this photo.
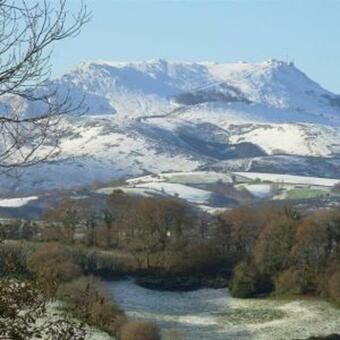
(305, 193)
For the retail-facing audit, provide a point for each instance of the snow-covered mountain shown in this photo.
(132, 89)
(169, 116)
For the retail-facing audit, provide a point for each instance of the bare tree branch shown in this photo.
(28, 32)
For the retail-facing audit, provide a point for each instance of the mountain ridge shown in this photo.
(168, 116)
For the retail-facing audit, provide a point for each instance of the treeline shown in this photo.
(279, 250)
(152, 235)
(168, 244)
(271, 248)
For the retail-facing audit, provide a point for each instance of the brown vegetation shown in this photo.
(51, 265)
(140, 330)
(266, 248)
(92, 303)
(287, 252)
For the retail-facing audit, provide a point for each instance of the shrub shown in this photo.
(10, 230)
(12, 259)
(243, 284)
(52, 264)
(140, 330)
(336, 188)
(104, 264)
(291, 281)
(334, 287)
(88, 298)
(273, 246)
(51, 233)
(200, 258)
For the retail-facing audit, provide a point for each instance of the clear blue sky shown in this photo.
(306, 31)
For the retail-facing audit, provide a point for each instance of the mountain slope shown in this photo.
(168, 116)
(151, 87)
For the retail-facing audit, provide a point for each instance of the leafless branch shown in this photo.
(28, 34)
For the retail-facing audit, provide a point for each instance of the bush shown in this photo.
(51, 233)
(334, 287)
(12, 259)
(88, 298)
(104, 264)
(244, 281)
(200, 258)
(140, 330)
(273, 246)
(10, 230)
(52, 264)
(291, 282)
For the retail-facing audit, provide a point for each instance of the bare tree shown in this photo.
(28, 33)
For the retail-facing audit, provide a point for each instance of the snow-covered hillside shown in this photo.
(153, 87)
(161, 116)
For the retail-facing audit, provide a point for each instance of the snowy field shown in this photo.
(16, 202)
(149, 189)
(194, 177)
(185, 192)
(212, 314)
(182, 185)
(176, 184)
(146, 192)
(290, 179)
(258, 190)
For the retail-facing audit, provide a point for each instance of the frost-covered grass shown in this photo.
(212, 314)
(55, 310)
(235, 316)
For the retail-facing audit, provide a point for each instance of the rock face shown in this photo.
(168, 116)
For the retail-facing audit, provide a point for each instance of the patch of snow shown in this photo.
(258, 190)
(16, 202)
(146, 192)
(192, 177)
(212, 210)
(188, 193)
(290, 179)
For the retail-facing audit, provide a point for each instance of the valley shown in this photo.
(195, 196)
(190, 189)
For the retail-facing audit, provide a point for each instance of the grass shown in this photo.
(305, 193)
(237, 316)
